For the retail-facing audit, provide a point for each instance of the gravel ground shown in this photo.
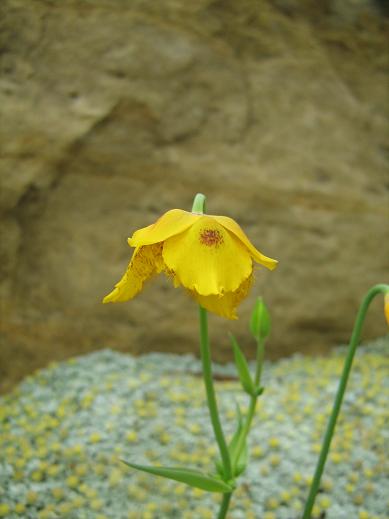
(64, 429)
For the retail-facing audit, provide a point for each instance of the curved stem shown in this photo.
(377, 289)
(210, 391)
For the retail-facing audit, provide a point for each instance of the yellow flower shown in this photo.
(208, 255)
(387, 307)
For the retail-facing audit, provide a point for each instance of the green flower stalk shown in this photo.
(199, 207)
(329, 433)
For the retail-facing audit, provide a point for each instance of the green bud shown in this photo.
(260, 320)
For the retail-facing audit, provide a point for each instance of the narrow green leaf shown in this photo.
(243, 368)
(235, 437)
(260, 323)
(193, 478)
(239, 461)
(242, 461)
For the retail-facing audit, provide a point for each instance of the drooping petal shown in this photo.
(207, 258)
(145, 262)
(225, 305)
(235, 228)
(169, 224)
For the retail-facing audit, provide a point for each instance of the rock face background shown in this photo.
(115, 111)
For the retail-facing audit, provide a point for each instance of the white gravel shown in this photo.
(64, 429)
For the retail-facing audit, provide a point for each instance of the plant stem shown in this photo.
(224, 505)
(259, 360)
(377, 289)
(199, 203)
(210, 391)
(199, 207)
(212, 406)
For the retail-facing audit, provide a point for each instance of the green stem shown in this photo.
(210, 391)
(199, 203)
(377, 289)
(199, 207)
(259, 360)
(224, 505)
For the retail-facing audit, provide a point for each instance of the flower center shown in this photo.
(211, 237)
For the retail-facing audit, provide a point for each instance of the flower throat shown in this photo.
(211, 237)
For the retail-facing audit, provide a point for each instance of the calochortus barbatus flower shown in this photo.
(208, 255)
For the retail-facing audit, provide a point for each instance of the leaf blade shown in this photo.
(241, 460)
(242, 368)
(193, 478)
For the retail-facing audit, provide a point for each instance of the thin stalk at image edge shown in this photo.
(354, 341)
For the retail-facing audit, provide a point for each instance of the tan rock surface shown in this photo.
(113, 112)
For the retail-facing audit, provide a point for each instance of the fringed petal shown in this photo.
(145, 262)
(224, 305)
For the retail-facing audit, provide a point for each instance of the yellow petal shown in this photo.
(207, 259)
(169, 224)
(233, 227)
(145, 262)
(225, 305)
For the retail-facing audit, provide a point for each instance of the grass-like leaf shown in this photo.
(193, 478)
(243, 368)
(238, 460)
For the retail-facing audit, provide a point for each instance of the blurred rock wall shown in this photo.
(114, 111)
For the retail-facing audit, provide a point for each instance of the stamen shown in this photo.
(211, 237)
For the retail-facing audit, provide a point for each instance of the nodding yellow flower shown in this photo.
(387, 307)
(210, 256)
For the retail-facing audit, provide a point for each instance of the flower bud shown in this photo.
(260, 320)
